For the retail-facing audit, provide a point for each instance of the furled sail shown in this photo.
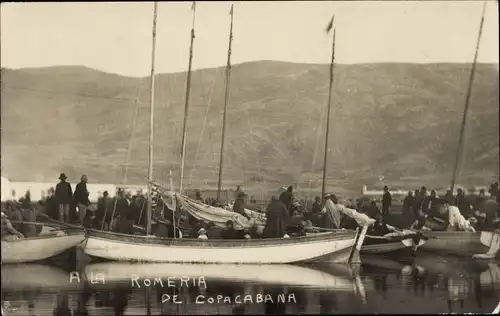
(217, 216)
(208, 214)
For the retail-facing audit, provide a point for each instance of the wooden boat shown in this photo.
(276, 274)
(333, 247)
(391, 244)
(53, 240)
(406, 242)
(457, 243)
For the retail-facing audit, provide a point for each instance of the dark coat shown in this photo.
(81, 194)
(277, 217)
(407, 203)
(378, 229)
(231, 234)
(239, 207)
(134, 211)
(316, 208)
(386, 200)
(64, 193)
(122, 208)
(287, 199)
(51, 207)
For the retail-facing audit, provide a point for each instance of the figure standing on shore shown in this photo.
(81, 198)
(64, 196)
(386, 201)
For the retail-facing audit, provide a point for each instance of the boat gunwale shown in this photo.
(451, 235)
(218, 243)
(70, 230)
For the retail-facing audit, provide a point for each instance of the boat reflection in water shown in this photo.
(469, 286)
(35, 289)
(420, 285)
(223, 289)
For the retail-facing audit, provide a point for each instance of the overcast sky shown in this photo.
(116, 37)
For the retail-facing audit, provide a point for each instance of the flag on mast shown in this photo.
(193, 6)
(330, 24)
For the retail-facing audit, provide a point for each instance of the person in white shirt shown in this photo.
(202, 234)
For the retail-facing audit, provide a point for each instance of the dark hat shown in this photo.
(62, 176)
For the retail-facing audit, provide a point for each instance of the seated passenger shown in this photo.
(9, 233)
(202, 234)
(230, 232)
(379, 228)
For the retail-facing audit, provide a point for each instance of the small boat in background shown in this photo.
(54, 238)
(405, 242)
(464, 244)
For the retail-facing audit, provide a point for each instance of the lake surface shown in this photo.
(425, 284)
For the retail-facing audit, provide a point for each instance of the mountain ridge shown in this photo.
(275, 124)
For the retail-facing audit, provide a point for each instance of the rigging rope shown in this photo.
(132, 131)
(203, 126)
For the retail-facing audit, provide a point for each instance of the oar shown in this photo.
(113, 213)
(142, 209)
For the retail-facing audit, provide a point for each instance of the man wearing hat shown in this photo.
(64, 196)
(81, 197)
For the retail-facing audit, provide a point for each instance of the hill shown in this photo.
(397, 120)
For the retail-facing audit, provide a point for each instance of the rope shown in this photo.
(203, 126)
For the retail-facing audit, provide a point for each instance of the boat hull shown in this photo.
(464, 244)
(40, 248)
(334, 247)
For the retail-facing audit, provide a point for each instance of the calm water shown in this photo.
(426, 284)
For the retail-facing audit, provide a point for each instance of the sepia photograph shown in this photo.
(250, 157)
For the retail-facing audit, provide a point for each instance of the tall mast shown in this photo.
(151, 123)
(188, 92)
(226, 98)
(461, 138)
(332, 62)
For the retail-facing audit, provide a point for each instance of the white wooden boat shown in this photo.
(44, 246)
(457, 243)
(275, 274)
(332, 247)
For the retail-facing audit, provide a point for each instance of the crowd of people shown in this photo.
(285, 215)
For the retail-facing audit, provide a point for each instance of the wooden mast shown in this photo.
(226, 98)
(461, 138)
(186, 105)
(327, 134)
(151, 124)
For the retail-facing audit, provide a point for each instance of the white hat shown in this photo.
(3, 214)
(202, 231)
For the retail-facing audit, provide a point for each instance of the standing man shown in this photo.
(64, 196)
(386, 201)
(287, 199)
(81, 198)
